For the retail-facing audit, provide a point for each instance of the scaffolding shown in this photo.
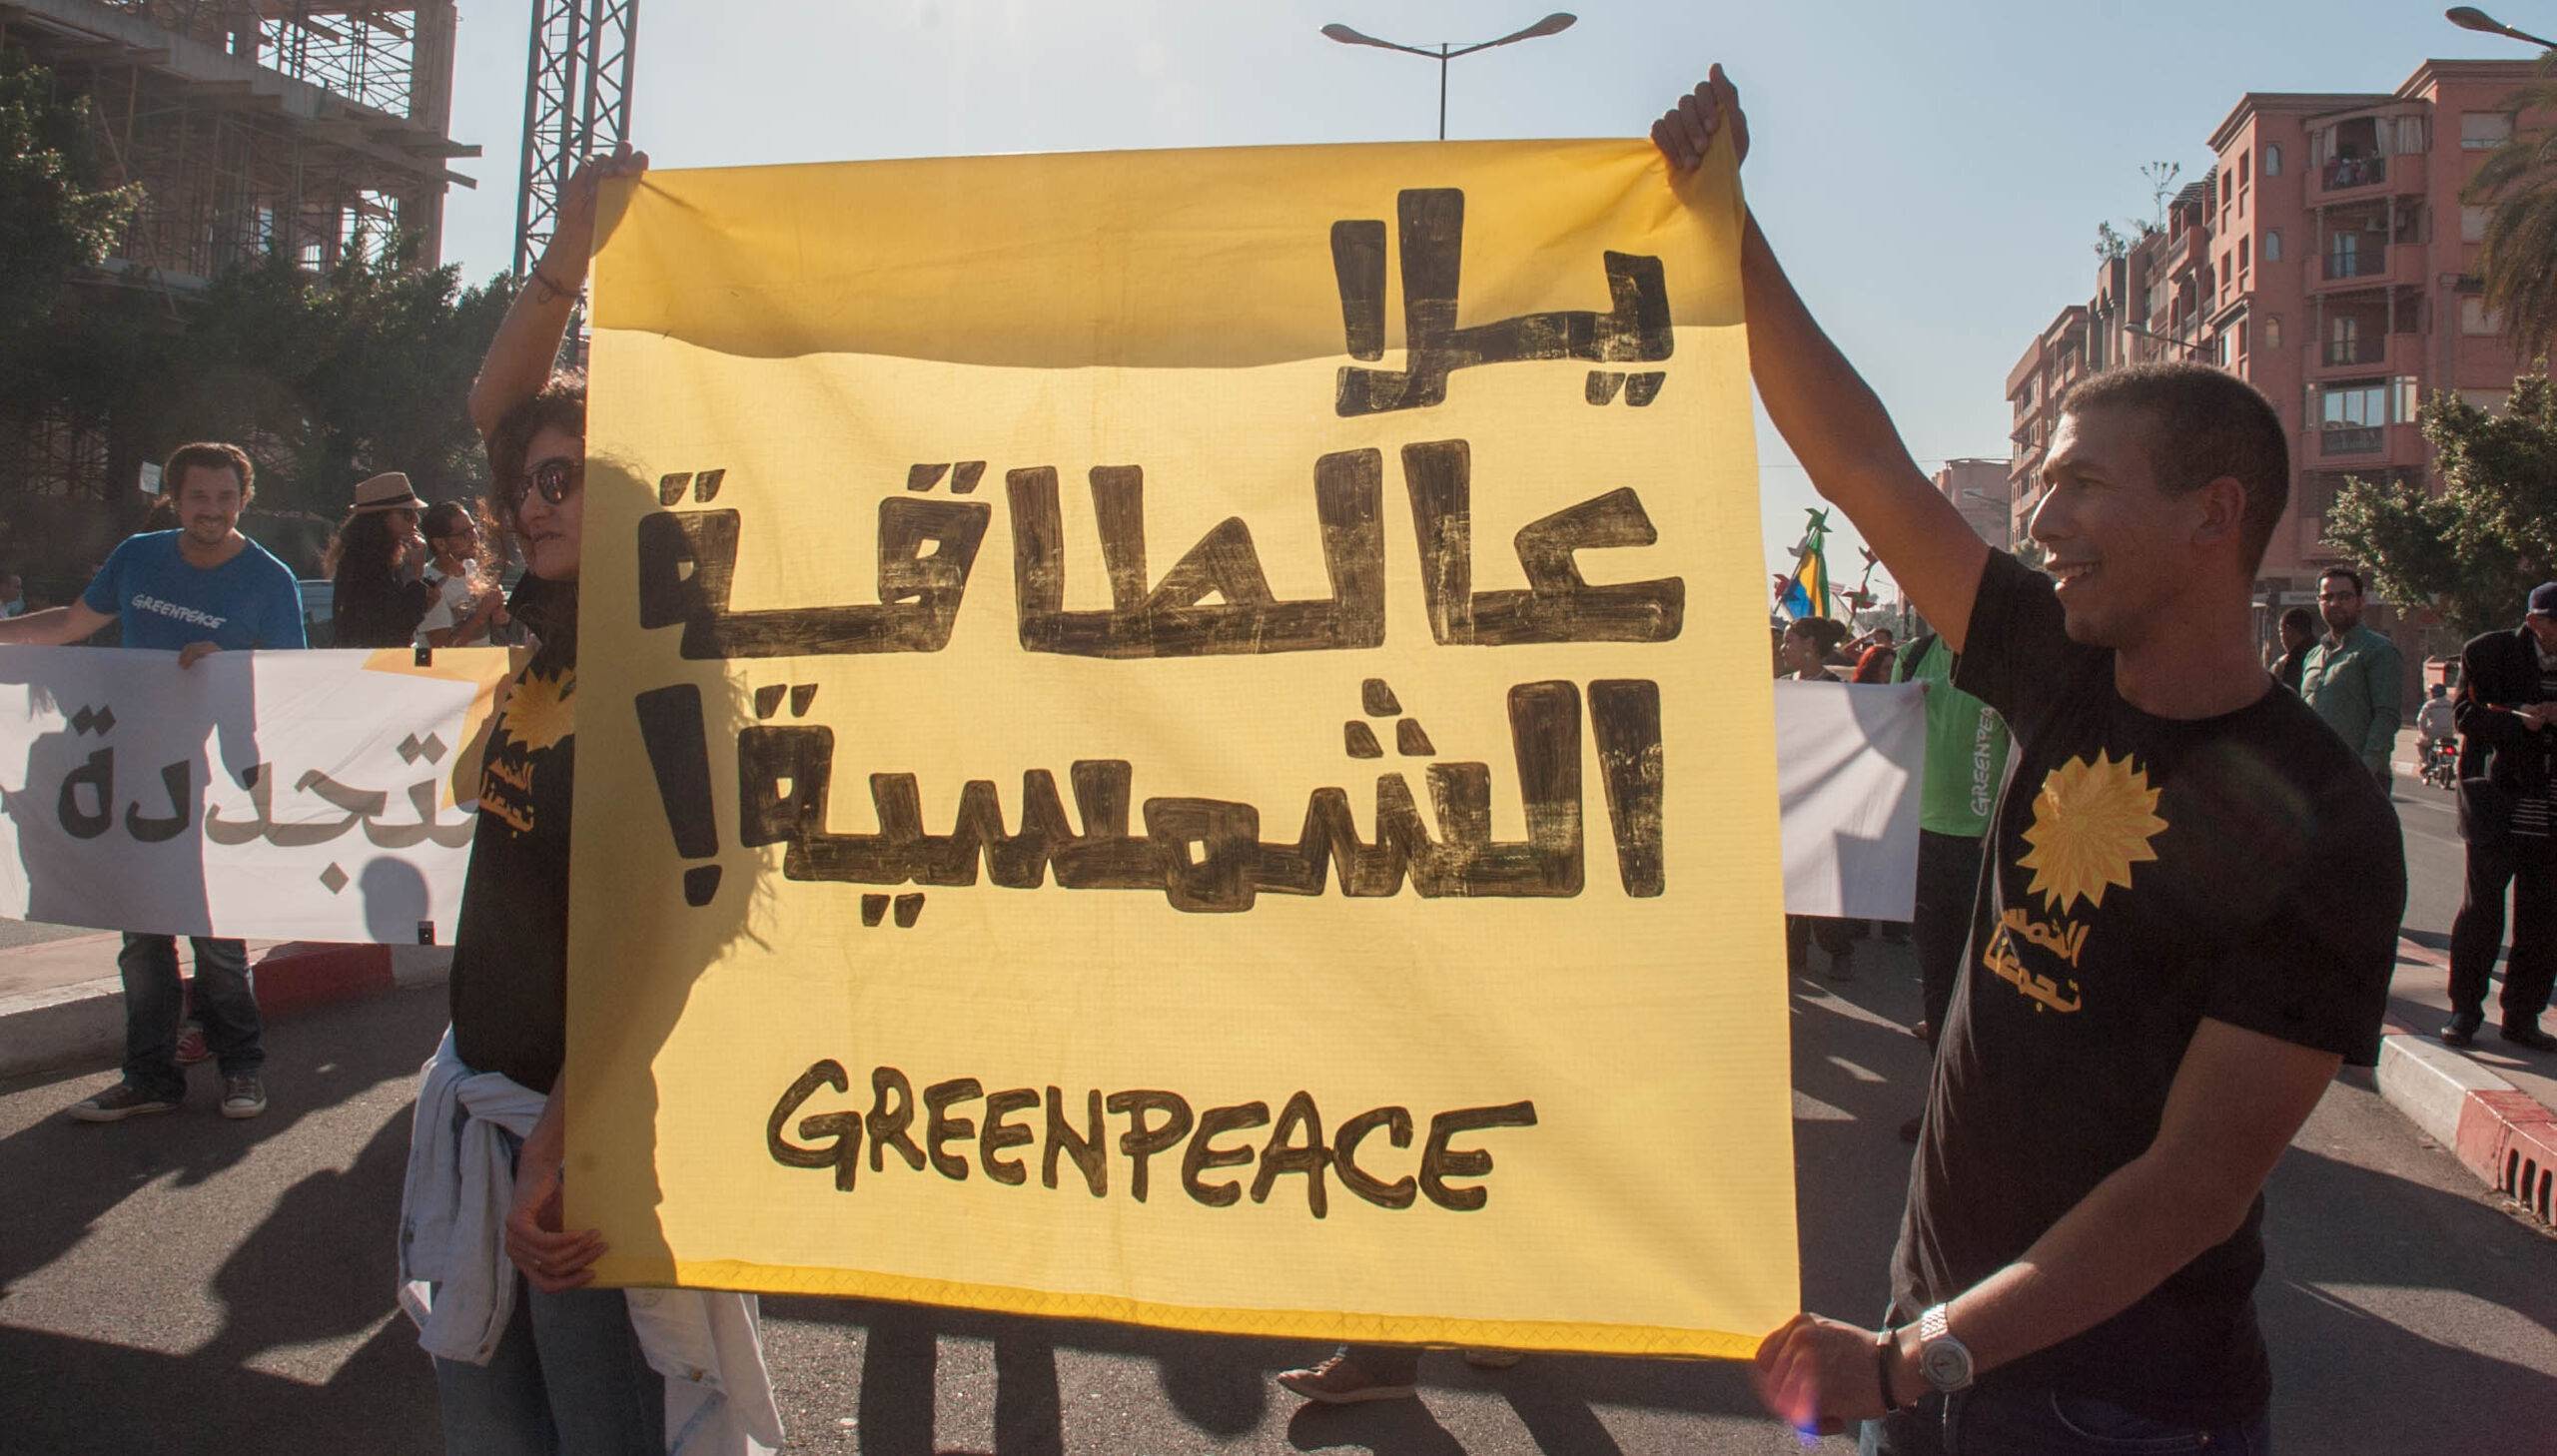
(259, 125)
(310, 128)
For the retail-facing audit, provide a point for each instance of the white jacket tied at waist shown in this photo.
(457, 1284)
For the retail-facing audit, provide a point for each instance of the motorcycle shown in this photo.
(2441, 764)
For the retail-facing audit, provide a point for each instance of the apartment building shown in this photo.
(2325, 258)
(1978, 489)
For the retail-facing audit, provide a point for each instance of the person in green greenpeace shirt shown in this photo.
(1966, 764)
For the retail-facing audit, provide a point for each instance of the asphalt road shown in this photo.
(184, 1284)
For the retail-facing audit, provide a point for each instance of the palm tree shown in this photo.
(2519, 180)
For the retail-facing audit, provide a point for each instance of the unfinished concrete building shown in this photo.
(252, 125)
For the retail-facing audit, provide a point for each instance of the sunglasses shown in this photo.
(553, 479)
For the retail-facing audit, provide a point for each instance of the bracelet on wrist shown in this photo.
(552, 284)
(1886, 1355)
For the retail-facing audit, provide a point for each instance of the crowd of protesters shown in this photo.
(2081, 1237)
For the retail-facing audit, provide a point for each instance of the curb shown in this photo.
(2500, 1134)
(82, 1025)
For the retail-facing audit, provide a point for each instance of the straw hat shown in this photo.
(389, 490)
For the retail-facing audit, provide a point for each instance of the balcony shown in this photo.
(2353, 440)
(2350, 171)
(2368, 349)
(2363, 262)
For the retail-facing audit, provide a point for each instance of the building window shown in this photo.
(2273, 330)
(2272, 245)
(2242, 163)
(2272, 159)
(2476, 317)
(2410, 135)
(2472, 223)
(2484, 131)
(2245, 259)
(2492, 401)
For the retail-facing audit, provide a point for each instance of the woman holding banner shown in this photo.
(527, 1357)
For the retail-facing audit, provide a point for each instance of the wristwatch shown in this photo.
(1943, 1359)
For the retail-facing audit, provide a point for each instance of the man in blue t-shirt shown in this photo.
(201, 588)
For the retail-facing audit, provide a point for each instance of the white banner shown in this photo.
(1848, 764)
(111, 817)
(322, 796)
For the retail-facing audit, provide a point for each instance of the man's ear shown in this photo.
(2221, 515)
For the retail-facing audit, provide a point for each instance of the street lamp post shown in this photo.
(2469, 17)
(1553, 24)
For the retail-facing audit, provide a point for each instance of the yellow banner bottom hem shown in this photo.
(1559, 1336)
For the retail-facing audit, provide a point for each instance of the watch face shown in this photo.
(1945, 1363)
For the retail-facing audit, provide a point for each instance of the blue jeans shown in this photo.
(568, 1379)
(154, 1000)
(2027, 1422)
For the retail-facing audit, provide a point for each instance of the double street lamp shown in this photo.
(1553, 24)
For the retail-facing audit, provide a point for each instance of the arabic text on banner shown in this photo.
(1184, 737)
(322, 796)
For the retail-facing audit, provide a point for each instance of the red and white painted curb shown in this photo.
(2499, 1132)
(81, 1023)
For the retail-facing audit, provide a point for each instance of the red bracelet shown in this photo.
(1885, 1348)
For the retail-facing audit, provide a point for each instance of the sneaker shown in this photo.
(191, 1044)
(2461, 1030)
(1340, 1381)
(243, 1095)
(120, 1102)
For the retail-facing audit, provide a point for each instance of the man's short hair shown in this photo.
(2301, 620)
(2202, 423)
(2346, 573)
(208, 455)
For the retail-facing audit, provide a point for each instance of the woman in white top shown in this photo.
(468, 602)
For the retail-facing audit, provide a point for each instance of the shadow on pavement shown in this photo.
(2438, 1397)
(87, 1170)
(318, 1270)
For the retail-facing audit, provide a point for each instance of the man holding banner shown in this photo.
(201, 588)
(2190, 921)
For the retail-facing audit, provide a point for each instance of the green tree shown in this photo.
(2474, 551)
(54, 218)
(362, 369)
(2519, 182)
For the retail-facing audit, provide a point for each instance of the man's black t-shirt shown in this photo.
(509, 983)
(2146, 872)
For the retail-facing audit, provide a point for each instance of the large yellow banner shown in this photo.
(1184, 737)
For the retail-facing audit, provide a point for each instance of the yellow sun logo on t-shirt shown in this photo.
(2091, 822)
(542, 709)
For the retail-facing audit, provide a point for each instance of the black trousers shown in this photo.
(2529, 866)
(1947, 885)
(1835, 937)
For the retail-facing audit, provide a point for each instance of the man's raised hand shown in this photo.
(1685, 132)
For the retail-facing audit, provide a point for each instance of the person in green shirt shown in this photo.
(1965, 765)
(2353, 675)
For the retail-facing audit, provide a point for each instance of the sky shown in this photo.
(1931, 173)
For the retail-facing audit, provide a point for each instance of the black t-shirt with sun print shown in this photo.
(2144, 874)
(509, 983)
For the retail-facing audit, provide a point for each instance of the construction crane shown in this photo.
(576, 102)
